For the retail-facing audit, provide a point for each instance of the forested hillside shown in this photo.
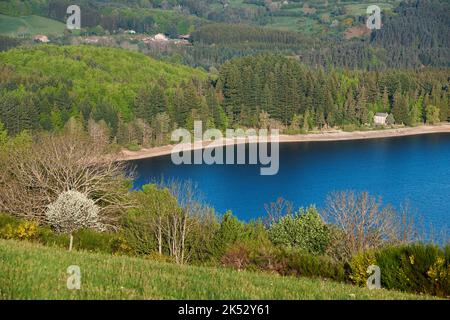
(415, 33)
(300, 96)
(42, 87)
(137, 100)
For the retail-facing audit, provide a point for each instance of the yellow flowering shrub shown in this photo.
(439, 273)
(359, 265)
(25, 230)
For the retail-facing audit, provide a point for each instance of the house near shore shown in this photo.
(41, 38)
(380, 119)
(160, 37)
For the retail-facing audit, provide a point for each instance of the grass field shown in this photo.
(30, 271)
(29, 25)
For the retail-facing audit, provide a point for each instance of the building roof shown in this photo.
(381, 114)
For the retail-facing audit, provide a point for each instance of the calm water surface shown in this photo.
(414, 168)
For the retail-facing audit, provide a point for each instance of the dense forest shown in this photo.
(259, 76)
(133, 99)
(414, 33)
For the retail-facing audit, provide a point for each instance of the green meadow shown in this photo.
(29, 26)
(30, 271)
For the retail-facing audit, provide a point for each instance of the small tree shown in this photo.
(390, 121)
(432, 114)
(73, 211)
(305, 230)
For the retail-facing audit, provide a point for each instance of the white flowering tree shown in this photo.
(72, 211)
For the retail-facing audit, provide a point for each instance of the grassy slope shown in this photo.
(29, 271)
(30, 25)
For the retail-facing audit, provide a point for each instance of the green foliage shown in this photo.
(419, 268)
(95, 81)
(298, 96)
(111, 277)
(432, 114)
(88, 240)
(143, 226)
(359, 264)
(232, 231)
(300, 263)
(304, 230)
(29, 26)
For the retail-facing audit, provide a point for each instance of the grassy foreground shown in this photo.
(30, 271)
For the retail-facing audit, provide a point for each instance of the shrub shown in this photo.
(7, 220)
(230, 231)
(359, 265)
(305, 230)
(139, 234)
(301, 263)
(268, 258)
(20, 230)
(49, 238)
(284, 261)
(418, 268)
(94, 241)
(85, 239)
(439, 273)
(119, 246)
(236, 256)
(405, 267)
(27, 230)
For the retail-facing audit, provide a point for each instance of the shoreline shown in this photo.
(337, 135)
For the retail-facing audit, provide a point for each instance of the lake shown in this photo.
(413, 168)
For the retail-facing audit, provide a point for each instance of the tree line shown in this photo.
(132, 100)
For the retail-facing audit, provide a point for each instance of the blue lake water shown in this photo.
(414, 168)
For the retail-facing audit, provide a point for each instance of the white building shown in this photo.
(160, 37)
(41, 38)
(380, 119)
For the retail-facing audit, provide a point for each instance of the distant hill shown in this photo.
(29, 26)
(67, 80)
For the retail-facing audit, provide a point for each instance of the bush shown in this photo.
(301, 263)
(406, 268)
(283, 261)
(305, 230)
(139, 234)
(358, 267)
(94, 241)
(418, 268)
(11, 228)
(49, 238)
(236, 256)
(7, 220)
(90, 240)
(230, 231)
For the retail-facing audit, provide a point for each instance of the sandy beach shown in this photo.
(335, 135)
